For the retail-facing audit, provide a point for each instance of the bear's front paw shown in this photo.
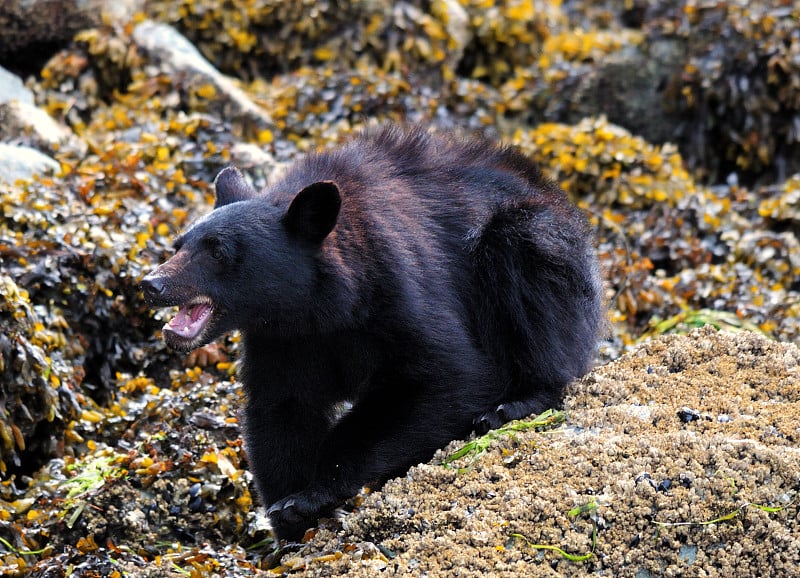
(490, 420)
(293, 515)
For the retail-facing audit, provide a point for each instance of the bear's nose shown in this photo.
(152, 287)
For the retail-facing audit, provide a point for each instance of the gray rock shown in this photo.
(458, 28)
(178, 58)
(257, 163)
(13, 87)
(627, 87)
(24, 123)
(22, 162)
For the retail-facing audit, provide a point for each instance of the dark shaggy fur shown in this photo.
(437, 284)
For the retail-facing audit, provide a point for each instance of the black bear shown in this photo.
(435, 284)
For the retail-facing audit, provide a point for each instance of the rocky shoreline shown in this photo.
(679, 452)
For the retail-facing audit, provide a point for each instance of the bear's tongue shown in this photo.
(190, 320)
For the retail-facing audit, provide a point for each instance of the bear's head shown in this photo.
(252, 261)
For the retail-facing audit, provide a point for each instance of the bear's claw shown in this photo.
(293, 515)
(490, 420)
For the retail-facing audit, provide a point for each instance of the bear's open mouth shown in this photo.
(191, 318)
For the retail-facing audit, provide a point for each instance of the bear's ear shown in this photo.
(313, 212)
(231, 187)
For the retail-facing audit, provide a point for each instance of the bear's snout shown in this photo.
(153, 287)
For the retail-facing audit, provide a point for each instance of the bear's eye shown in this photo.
(214, 247)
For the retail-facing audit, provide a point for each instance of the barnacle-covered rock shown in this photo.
(534, 503)
(36, 381)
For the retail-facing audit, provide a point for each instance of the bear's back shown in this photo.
(409, 180)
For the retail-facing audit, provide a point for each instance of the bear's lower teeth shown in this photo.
(190, 320)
